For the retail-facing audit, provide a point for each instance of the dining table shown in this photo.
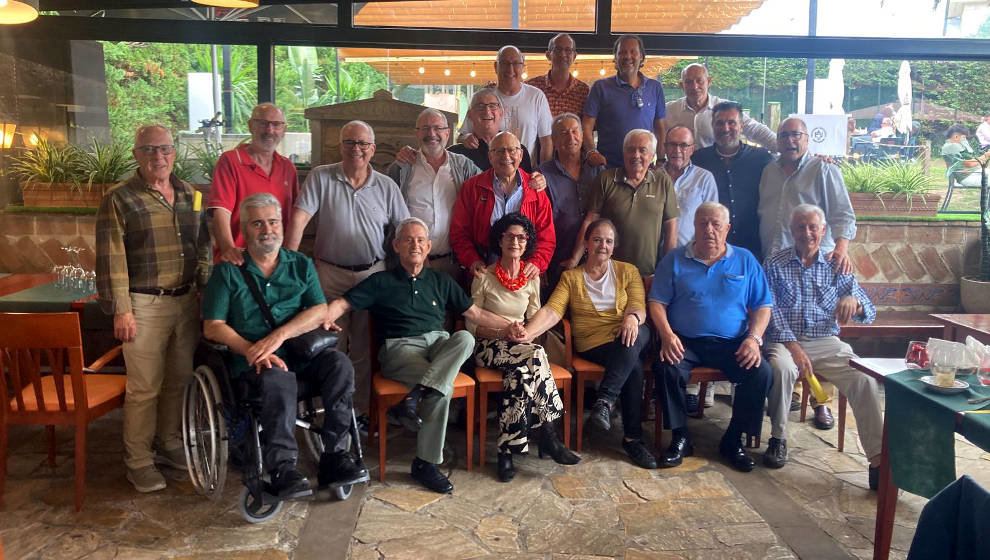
(43, 293)
(918, 453)
(960, 325)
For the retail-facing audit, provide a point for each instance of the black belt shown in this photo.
(354, 268)
(175, 292)
(435, 257)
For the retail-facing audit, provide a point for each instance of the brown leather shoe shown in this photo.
(823, 418)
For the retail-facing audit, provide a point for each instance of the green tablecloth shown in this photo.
(920, 428)
(46, 298)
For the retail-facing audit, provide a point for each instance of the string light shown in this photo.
(473, 73)
(602, 71)
(525, 75)
(446, 71)
(422, 70)
(574, 73)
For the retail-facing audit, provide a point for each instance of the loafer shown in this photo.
(146, 479)
(340, 468)
(504, 468)
(680, 447)
(639, 454)
(823, 418)
(874, 478)
(775, 456)
(601, 415)
(733, 452)
(288, 483)
(692, 405)
(430, 476)
(405, 414)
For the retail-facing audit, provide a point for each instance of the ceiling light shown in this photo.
(18, 11)
(574, 73)
(446, 71)
(525, 75)
(422, 70)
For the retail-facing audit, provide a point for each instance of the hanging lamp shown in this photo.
(18, 11)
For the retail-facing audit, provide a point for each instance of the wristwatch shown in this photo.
(759, 341)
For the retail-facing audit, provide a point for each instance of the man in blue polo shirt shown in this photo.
(620, 103)
(711, 305)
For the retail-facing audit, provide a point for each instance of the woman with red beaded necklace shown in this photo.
(530, 399)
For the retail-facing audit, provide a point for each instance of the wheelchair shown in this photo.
(220, 425)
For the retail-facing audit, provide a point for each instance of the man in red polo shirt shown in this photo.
(250, 168)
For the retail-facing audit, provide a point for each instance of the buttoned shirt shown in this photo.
(680, 113)
(739, 190)
(569, 198)
(805, 298)
(617, 108)
(351, 225)
(814, 182)
(405, 305)
(694, 186)
(292, 287)
(506, 204)
(142, 241)
(571, 100)
(637, 212)
(430, 196)
(714, 300)
(479, 155)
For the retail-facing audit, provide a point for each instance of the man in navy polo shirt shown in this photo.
(711, 305)
(620, 103)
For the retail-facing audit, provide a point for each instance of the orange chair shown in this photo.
(30, 345)
(806, 390)
(490, 380)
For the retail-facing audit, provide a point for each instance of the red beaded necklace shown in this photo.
(512, 284)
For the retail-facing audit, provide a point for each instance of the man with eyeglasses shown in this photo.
(694, 111)
(430, 184)
(525, 110)
(692, 184)
(356, 207)
(250, 168)
(152, 253)
(485, 117)
(565, 93)
(617, 104)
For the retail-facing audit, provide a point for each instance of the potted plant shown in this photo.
(890, 188)
(57, 176)
(974, 291)
(104, 166)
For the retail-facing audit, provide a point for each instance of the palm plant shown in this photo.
(49, 163)
(105, 163)
(891, 177)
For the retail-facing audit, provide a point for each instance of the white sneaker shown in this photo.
(146, 479)
(710, 397)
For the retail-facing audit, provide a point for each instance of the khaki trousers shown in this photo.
(355, 337)
(159, 363)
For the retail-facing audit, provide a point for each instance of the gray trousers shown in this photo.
(830, 357)
(433, 360)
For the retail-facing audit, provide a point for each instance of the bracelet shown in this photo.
(636, 315)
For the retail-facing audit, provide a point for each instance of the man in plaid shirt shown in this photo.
(810, 301)
(152, 251)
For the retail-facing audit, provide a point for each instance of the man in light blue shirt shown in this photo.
(692, 184)
(796, 178)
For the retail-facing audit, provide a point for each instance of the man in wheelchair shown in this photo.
(232, 316)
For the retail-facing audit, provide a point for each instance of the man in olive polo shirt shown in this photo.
(232, 316)
(640, 201)
(409, 304)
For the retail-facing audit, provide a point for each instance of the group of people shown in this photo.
(528, 218)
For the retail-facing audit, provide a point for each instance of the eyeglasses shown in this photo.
(637, 99)
(489, 106)
(149, 150)
(678, 145)
(277, 125)
(795, 134)
(517, 237)
(432, 128)
(512, 150)
(359, 143)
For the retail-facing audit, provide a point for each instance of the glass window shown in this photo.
(752, 17)
(317, 13)
(904, 19)
(538, 15)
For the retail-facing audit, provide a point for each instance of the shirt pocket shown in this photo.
(828, 298)
(733, 283)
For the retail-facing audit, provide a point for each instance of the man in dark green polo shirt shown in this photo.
(287, 280)
(640, 201)
(409, 305)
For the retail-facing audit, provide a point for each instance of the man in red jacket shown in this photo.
(487, 197)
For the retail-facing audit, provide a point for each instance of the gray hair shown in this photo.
(145, 128)
(804, 127)
(561, 117)
(260, 200)
(678, 127)
(430, 111)
(366, 126)
(411, 221)
(805, 209)
(638, 132)
(693, 65)
(558, 36)
(712, 206)
(498, 57)
(485, 91)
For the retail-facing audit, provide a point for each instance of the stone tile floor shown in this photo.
(815, 507)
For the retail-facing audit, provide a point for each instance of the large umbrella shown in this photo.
(902, 119)
(836, 86)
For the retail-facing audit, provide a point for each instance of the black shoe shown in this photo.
(601, 415)
(874, 478)
(506, 471)
(430, 476)
(776, 454)
(405, 413)
(340, 468)
(288, 483)
(692, 405)
(551, 445)
(823, 418)
(639, 454)
(795, 406)
(732, 450)
(680, 447)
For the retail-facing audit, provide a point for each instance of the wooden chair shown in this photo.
(387, 392)
(490, 380)
(806, 390)
(41, 365)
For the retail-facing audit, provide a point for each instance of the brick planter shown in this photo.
(50, 195)
(869, 204)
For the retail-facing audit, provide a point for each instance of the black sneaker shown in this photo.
(288, 483)
(340, 468)
(601, 415)
(692, 405)
(639, 454)
(776, 454)
(430, 476)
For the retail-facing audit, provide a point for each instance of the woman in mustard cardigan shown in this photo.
(608, 315)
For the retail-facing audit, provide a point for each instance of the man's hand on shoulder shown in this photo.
(406, 155)
(232, 254)
(840, 260)
(537, 181)
(470, 141)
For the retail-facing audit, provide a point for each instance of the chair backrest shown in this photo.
(36, 345)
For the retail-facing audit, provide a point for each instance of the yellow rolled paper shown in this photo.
(816, 388)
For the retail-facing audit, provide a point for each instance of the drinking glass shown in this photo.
(984, 373)
(917, 355)
(943, 367)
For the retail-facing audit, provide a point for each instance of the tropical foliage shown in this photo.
(887, 177)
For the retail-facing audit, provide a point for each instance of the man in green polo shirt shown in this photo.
(409, 304)
(287, 280)
(640, 201)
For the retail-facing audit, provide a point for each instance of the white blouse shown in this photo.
(602, 291)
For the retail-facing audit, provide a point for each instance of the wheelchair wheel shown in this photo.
(310, 419)
(343, 492)
(255, 510)
(204, 433)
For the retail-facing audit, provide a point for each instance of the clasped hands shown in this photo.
(517, 332)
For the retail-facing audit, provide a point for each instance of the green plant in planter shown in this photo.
(106, 163)
(891, 177)
(48, 163)
(205, 159)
